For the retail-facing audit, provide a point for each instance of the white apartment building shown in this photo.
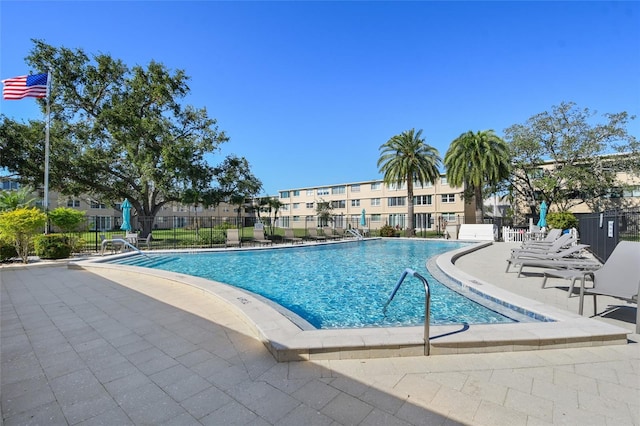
(435, 205)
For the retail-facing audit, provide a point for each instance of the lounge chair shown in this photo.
(535, 259)
(258, 237)
(313, 235)
(556, 246)
(551, 237)
(146, 241)
(619, 277)
(328, 232)
(288, 236)
(233, 238)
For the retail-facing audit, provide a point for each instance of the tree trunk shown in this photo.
(479, 205)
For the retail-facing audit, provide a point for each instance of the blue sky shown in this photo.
(308, 91)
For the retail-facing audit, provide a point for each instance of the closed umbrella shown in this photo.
(542, 223)
(126, 213)
(363, 219)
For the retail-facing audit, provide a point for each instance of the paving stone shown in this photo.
(346, 409)
(205, 402)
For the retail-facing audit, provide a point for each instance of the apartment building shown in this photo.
(435, 205)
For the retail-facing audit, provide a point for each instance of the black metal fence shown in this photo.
(602, 231)
(184, 232)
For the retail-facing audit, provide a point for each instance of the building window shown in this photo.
(355, 203)
(284, 194)
(397, 186)
(375, 186)
(10, 185)
(296, 218)
(449, 217)
(443, 180)
(423, 200)
(376, 202)
(296, 192)
(339, 204)
(339, 189)
(355, 188)
(296, 206)
(376, 218)
(396, 201)
(309, 192)
(97, 205)
(323, 191)
(448, 198)
(632, 192)
(73, 203)
(102, 223)
(285, 208)
(309, 205)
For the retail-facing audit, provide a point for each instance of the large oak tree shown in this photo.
(585, 155)
(116, 132)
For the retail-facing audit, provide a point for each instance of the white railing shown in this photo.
(510, 235)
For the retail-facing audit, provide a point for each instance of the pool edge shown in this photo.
(287, 342)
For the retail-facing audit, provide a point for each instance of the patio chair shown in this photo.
(313, 235)
(551, 237)
(288, 236)
(233, 238)
(328, 232)
(146, 241)
(556, 246)
(619, 277)
(535, 259)
(258, 237)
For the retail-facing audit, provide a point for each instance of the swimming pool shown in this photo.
(337, 285)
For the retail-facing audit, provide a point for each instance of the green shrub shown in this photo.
(52, 246)
(387, 231)
(562, 220)
(20, 226)
(7, 251)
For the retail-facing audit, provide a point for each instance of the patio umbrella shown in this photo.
(363, 219)
(542, 223)
(126, 212)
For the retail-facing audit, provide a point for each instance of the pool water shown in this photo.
(337, 285)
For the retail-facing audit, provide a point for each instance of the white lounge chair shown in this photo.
(619, 277)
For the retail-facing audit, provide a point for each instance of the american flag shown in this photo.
(25, 86)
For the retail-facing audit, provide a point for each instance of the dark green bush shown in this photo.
(7, 251)
(52, 246)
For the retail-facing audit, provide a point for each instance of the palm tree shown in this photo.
(407, 158)
(14, 199)
(479, 162)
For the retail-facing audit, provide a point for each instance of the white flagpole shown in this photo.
(46, 152)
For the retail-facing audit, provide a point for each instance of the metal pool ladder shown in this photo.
(427, 303)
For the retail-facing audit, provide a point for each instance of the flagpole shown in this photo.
(46, 153)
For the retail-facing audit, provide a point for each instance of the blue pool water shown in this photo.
(337, 285)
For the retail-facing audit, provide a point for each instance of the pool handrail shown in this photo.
(119, 240)
(427, 303)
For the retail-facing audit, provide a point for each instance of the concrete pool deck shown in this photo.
(287, 340)
(85, 348)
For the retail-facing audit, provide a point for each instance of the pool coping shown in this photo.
(288, 342)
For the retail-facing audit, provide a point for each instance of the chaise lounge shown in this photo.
(619, 277)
